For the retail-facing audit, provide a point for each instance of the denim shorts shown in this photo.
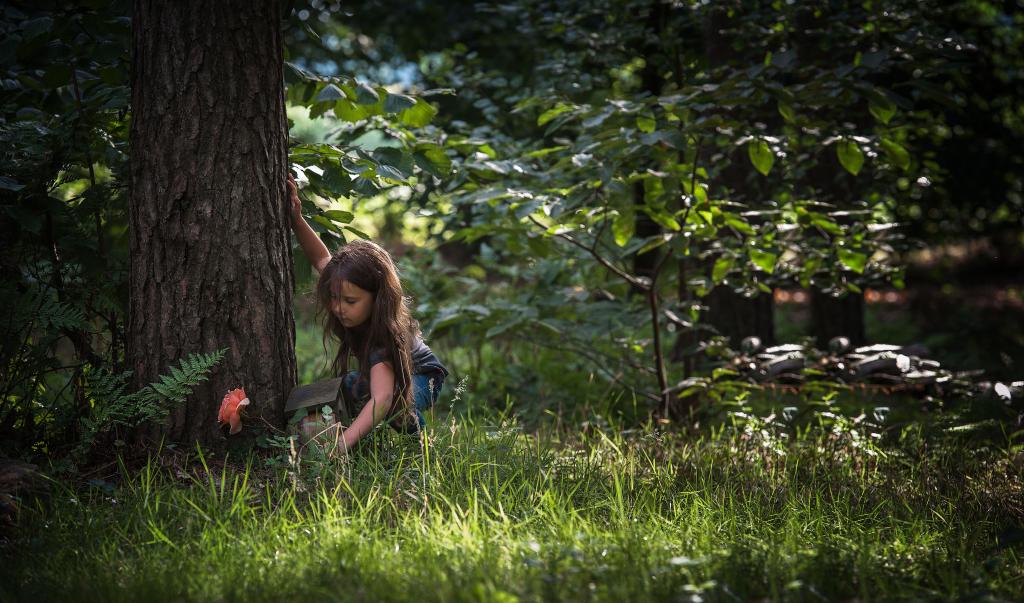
(355, 392)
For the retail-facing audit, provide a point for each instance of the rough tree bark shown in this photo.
(210, 250)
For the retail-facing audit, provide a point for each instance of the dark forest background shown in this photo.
(593, 202)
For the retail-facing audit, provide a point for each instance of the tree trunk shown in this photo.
(826, 180)
(730, 313)
(737, 317)
(837, 316)
(211, 263)
(652, 82)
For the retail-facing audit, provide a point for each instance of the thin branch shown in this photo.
(659, 356)
(629, 278)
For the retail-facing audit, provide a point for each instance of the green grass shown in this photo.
(481, 511)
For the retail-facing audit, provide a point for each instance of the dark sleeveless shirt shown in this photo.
(424, 362)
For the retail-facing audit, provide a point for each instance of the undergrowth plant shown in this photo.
(111, 407)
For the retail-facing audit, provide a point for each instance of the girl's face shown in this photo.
(351, 304)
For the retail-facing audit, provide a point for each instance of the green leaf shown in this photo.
(366, 95)
(355, 167)
(896, 153)
(597, 119)
(330, 93)
(850, 156)
(738, 224)
(786, 111)
(432, 159)
(552, 113)
(809, 268)
(722, 267)
(297, 417)
(700, 193)
(365, 186)
(339, 216)
(656, 242)
(357, 232)
(112, 75)
(881, 107)
(327, 223)
(390, 173)
(852, 260)
(539, 246)
(346, 110)
(764, 260)
(825, 223)
(664, 218)
(547, 151)
(395, 103)
(394, 158)
(722, 372)
(418, 115)
(645, 123)
(336, 181)
(624, 226)
(872, 60)
(502, 327)
(761, 156)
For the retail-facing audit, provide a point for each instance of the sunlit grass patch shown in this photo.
(479, 510)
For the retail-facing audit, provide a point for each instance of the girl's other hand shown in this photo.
(293, 198)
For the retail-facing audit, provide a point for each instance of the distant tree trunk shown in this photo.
(832, 316)
(211, 263)
(738, 317)
(652, 82)
(826, 180)
(732, 314)
(837, 316)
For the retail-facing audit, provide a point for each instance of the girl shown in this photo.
(361, 298)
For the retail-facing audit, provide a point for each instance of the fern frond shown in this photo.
(191, 371)
(111, 406)
(104, 386)
(41, 309)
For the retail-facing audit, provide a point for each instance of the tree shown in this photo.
(211, 261)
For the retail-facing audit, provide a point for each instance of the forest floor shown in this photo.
(485, 510)
(478, 510)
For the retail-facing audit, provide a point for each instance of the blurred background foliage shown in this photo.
(591, 201)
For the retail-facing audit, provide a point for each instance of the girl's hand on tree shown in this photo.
(293, 198)
(312, 246)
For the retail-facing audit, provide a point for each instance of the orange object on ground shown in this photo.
(231, 408)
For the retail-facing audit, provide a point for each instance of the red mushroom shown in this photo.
(230, 410)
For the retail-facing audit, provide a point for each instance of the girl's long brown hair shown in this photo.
(390, 328)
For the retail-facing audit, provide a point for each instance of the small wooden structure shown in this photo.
(316, 395)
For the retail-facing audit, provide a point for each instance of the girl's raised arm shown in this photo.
(313, 247)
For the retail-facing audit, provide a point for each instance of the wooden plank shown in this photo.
(315, 394)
